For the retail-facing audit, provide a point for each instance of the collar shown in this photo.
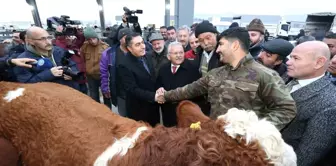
(306, 82)
(177, 66)
(243, 61)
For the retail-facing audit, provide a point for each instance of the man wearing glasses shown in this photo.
(39, 46)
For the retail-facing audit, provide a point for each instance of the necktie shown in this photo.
(174, 69)
(144, 64)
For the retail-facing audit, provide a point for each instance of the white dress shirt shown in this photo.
(303, 83)
(171, 68)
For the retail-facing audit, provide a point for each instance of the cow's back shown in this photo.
(53, 124)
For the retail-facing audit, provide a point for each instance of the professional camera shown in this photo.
(76, 75)
(130, 15)
(68, 29)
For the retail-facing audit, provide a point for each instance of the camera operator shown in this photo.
(39, 47)
(74, 43)
(125, 24)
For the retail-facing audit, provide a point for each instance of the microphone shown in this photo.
(44, 63)
(126, 9)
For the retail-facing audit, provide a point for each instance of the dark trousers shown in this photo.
(122, 107)
(83, 88)
(94, 86)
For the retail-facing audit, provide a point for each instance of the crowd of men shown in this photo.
(291, 86)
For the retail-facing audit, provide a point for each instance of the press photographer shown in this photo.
(40, 48)
(67, 41)
(128, 19)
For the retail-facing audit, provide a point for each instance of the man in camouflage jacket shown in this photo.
(249, 85)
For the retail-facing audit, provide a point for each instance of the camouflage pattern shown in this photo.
(250, 86)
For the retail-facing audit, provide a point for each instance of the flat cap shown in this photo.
(155, 36)
(278, 46)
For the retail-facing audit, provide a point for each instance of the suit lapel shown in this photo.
(310, 90)
(149, 62)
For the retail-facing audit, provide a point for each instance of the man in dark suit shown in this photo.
(177, 73)
(138, 77)
(313, 131)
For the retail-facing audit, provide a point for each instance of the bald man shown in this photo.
(313, 131)
(39, 46)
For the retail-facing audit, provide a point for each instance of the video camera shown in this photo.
(68, 29)
(130, 15)
(46, 63)
(76, 75)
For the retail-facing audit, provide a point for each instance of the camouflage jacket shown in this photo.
(249, 86)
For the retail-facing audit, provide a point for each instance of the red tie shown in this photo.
(174, 69)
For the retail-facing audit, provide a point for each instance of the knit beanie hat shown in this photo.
(256, 25)
(90, 33)
(204, 26)
(233, 25)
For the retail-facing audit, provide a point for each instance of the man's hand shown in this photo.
(66, 77)
(59, 28)
(22, 62)
(159, 95)
(57, 71)
(107, 95)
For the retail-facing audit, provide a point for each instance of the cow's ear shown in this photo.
(187, 113)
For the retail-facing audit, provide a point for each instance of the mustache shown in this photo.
(179, 58)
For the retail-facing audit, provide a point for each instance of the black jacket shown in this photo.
(140, 89)
(3, 65)
(185, 74)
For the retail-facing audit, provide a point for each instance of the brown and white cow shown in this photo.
(50, 124)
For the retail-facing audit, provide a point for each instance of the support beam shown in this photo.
(101, 14)
(167, 13)
(184, 12)
(35, 13)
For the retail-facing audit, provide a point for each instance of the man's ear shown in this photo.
(320, 62)
(278, 61)
(235, 45)
(168, 57)
(29, 41)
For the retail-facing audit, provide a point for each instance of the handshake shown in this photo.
(159, 96)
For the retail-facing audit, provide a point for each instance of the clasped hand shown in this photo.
(159, 95)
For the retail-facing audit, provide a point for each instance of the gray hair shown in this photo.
(184, 27)
(175, 43)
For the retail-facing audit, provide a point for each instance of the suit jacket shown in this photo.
(312, 133)
(185, 74)
(140, 89)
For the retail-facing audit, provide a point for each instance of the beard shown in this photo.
(159, 51)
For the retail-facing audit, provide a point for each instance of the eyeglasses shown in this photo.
(177, 53)
(45, 38)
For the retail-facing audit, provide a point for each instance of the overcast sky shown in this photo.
(18, 10)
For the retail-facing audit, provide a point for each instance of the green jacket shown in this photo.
(249, 86)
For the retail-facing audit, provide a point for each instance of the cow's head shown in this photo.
(241, 125)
